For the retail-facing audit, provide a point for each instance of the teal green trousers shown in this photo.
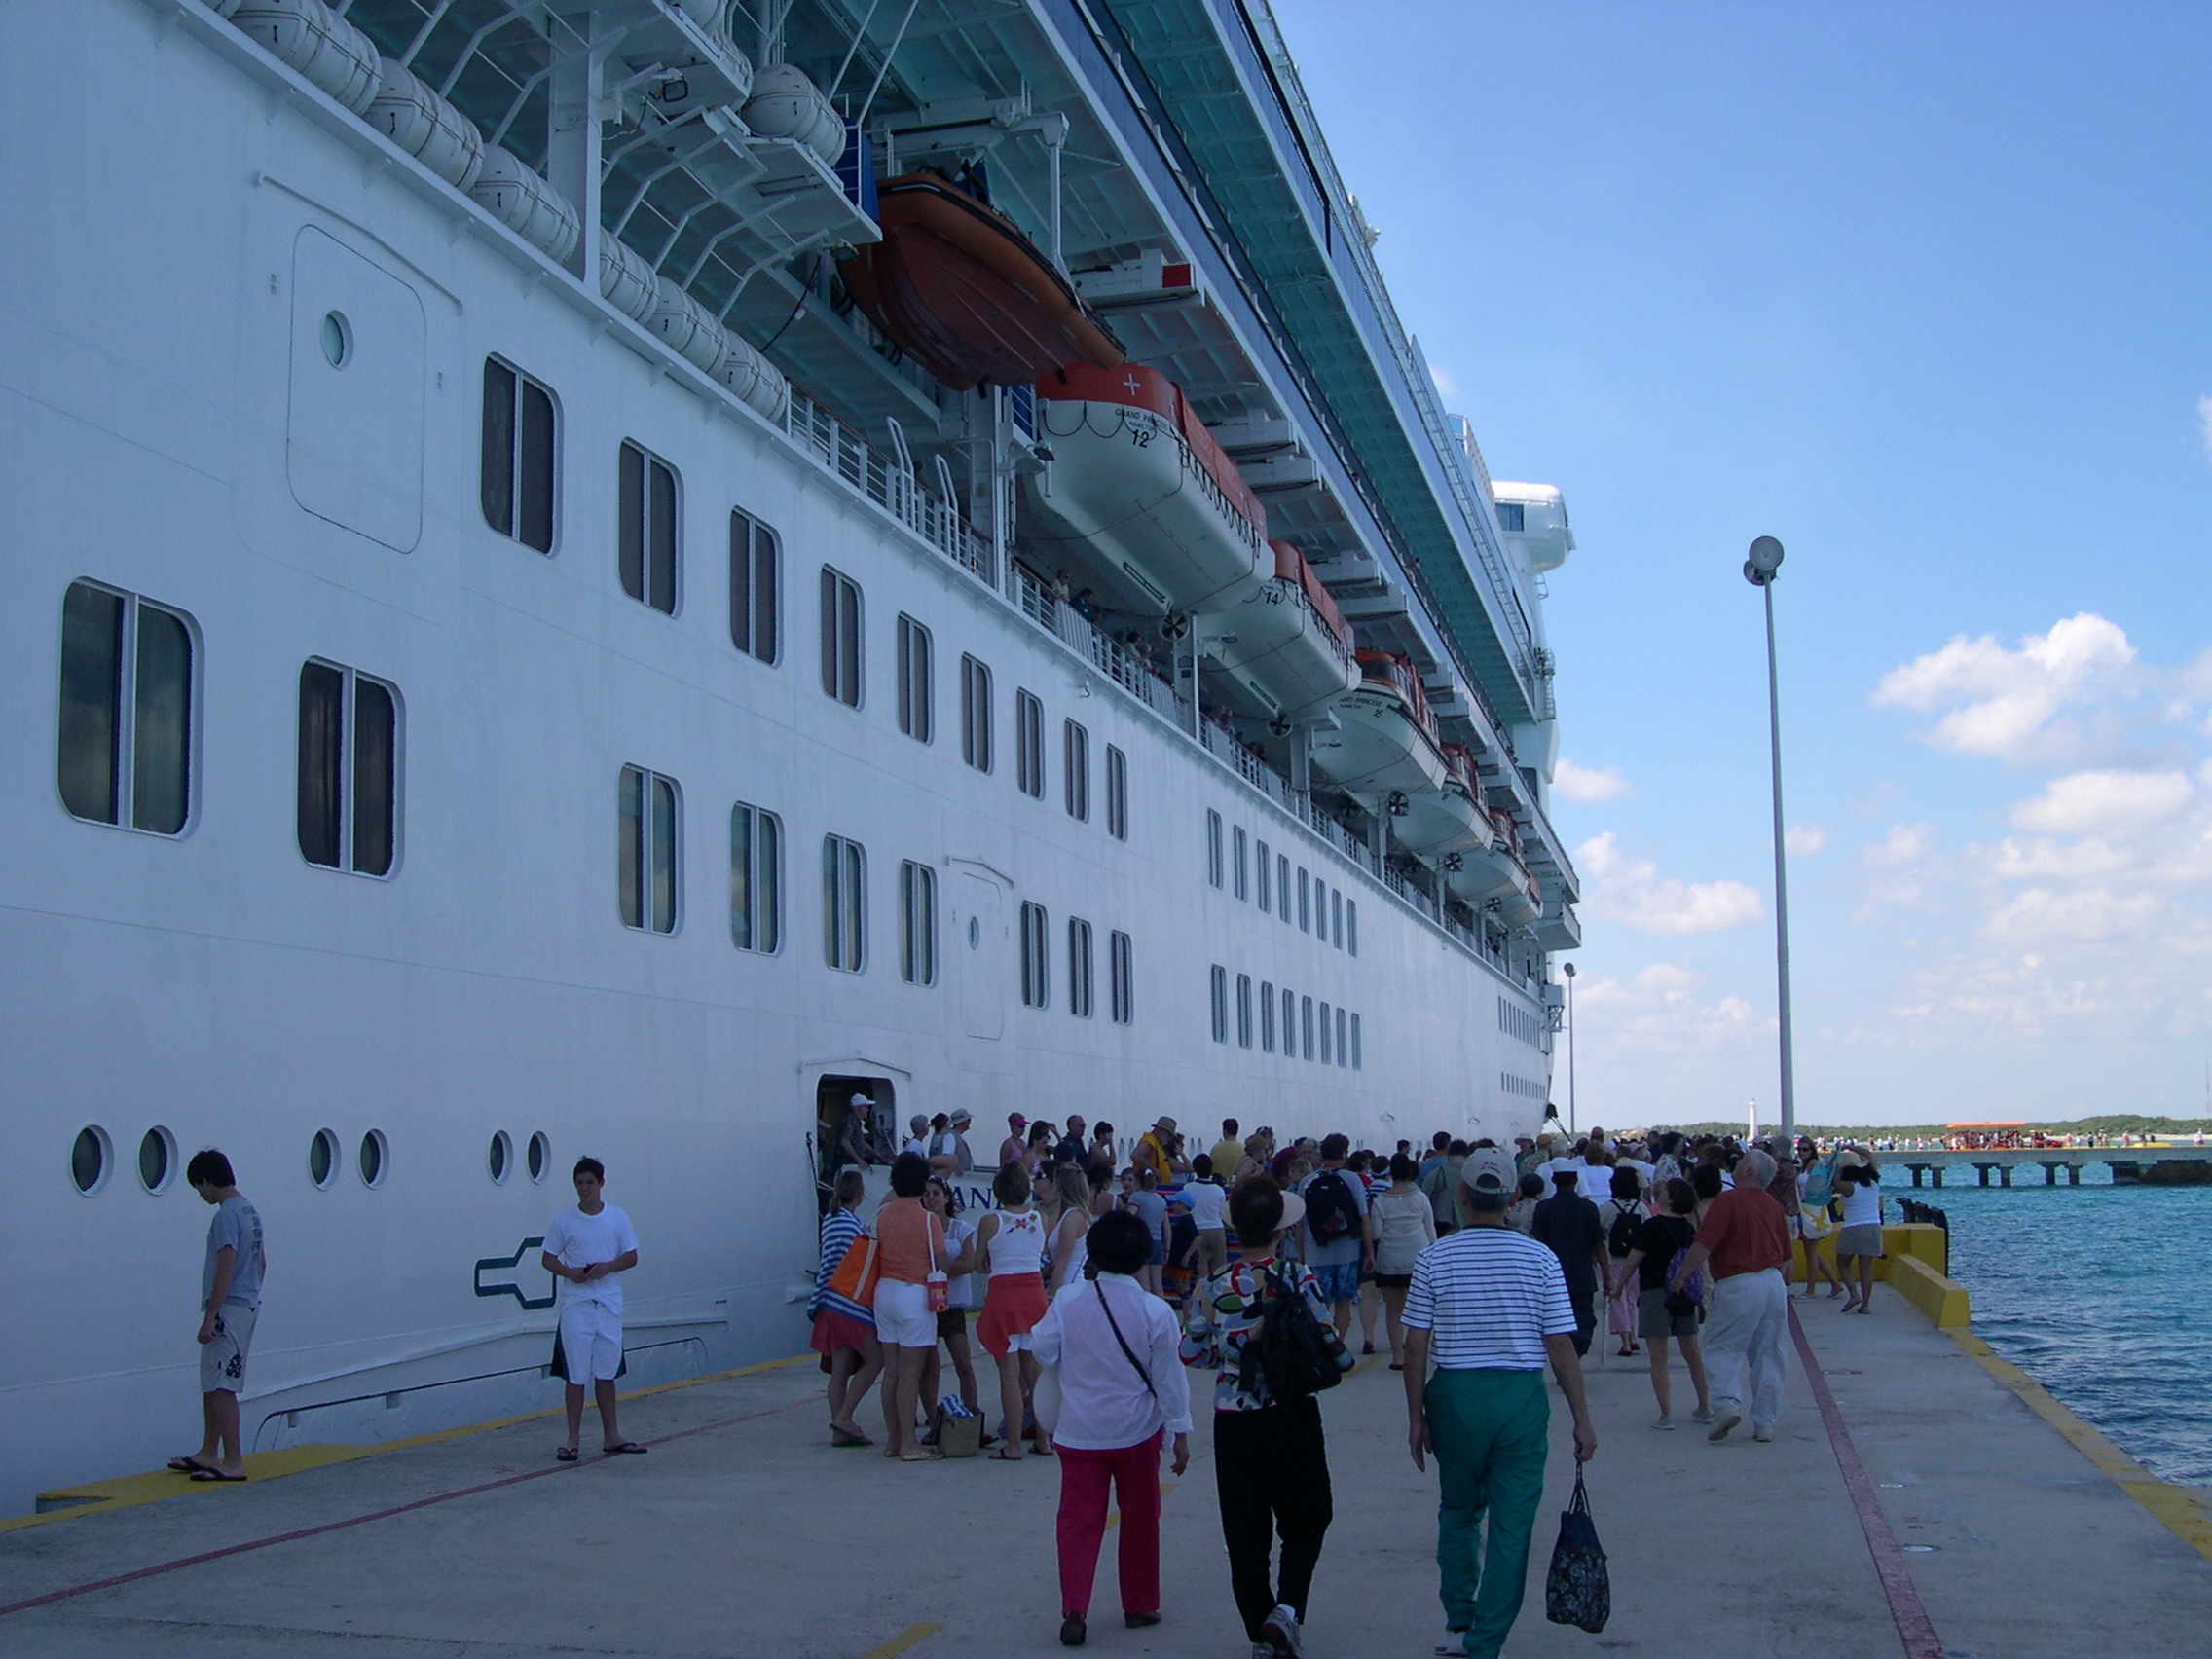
(1488, 1431)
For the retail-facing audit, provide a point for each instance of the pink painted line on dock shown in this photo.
(1914, 1626)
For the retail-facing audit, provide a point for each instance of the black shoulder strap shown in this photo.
(1143, 1376)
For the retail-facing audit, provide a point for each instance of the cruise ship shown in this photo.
(602, 581)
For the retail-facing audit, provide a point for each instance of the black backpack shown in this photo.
(1331, 1211)
(1622, 1238)
(1295, 1354)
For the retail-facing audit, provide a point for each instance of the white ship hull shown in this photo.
(170, 262)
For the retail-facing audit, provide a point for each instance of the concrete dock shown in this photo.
(744, 1533)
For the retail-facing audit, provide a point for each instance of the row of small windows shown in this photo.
(519, 451)
(1036, 968)
(92, 1159)
(1527, 1088)
(1309, 1030)
(1517, 1021)
(1319, 908)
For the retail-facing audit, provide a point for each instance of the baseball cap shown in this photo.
(1488, 1171)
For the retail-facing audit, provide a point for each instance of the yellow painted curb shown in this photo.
(1942, 1300)
(124, 1491)
(2174, 1507)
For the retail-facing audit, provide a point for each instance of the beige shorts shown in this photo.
(222, 1360)
(1212, 1254)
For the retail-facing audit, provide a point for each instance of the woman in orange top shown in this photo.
(910, 1246)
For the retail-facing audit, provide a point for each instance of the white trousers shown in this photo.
(1745, 1330)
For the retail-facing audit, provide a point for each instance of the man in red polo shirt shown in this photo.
(1746, 1240)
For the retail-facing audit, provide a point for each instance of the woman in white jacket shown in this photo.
(1115, 1349)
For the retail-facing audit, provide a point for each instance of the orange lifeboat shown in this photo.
(956, 283)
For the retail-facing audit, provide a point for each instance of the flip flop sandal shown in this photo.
(211, 1476)
(845, 1437)
(187, 1465)
(564, 1454)
(931, 1455)
(625, 1447)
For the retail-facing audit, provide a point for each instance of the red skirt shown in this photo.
(834, 1331)
(1013, 1304)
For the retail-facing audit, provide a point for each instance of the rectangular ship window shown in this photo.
(1263, 865)
(1355, 1043)
(1213, 848)
(1344, 1052)
(1351, 926)
(1324, 1033)
(124, 753)
(1079, 968)
(1030, 744)
(1282, 884)
(1121, 976)
(755, 587)
(1238, 861)
(1218, 998)
(1075, 766)
(917, 705)
(1243, 1011)
(840, 637)
(917, 923)
(646, 868)
(1117, 794)
(1266, 1018)
(348, 769)
(974, 714)
(1305, 1027)
(1036, 974)
(646, 527)
(519, 440)
(844, 905)
(1305, 901)
(755, 879)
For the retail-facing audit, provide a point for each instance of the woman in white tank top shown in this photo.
(1010, 1248)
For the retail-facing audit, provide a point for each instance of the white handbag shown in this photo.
(1045, 1400)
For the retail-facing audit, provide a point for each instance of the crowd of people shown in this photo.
(1095, 1280)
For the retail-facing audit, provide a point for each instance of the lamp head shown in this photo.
(1764, 562)
(1567, 968)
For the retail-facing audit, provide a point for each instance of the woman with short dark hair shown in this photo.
(1122, 1390)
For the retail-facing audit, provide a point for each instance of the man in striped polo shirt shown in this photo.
(1490, 1305)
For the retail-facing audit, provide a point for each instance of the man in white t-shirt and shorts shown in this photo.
(587, 1249)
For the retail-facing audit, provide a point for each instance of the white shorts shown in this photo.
(222, 1360)
(903, 1317)
(591, 1340)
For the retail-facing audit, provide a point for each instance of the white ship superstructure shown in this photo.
(519, 645)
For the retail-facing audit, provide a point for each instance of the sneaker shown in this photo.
(1139, 1621)
(1664, 1423)
(1453, 1645)
(1281, 1630)
(1721, 1426)
(1072, 1631)
(1704, 1413)
(1760, 1432)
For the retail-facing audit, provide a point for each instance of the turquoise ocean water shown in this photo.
(2100, 1293)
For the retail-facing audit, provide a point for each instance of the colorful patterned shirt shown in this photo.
(1238, 1296)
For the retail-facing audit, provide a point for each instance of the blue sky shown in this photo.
(1925, 291)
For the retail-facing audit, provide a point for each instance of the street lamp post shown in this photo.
(1760, 570)
(1569, 970)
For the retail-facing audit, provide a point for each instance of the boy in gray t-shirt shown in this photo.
(230, 1301)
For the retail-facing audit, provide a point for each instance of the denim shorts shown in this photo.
(1339, 1281)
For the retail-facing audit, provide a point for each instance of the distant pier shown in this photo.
(2130, 1165)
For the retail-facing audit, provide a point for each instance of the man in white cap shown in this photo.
(1490, 1306)
(948, 1152)
(854, 1144)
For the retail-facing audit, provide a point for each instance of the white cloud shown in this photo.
(2085, 801)
(1629, 890)
(1657, 1009)
(1803, 840)
(1444, 384)
(1589, 785)
(2006, 704)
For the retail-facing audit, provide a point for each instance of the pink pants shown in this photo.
(1135, 1472)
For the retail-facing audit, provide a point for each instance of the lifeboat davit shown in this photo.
(1286, 651)
(956, 282)
(1386, 742)
(1452, 820)
(1139, 498)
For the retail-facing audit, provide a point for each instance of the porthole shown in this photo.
(156, 1160)
(337, 339)
(376, 1155)
(322, 1158)
(975, 934)
(92, 1159)
(501, 1159)
(541, 1156)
